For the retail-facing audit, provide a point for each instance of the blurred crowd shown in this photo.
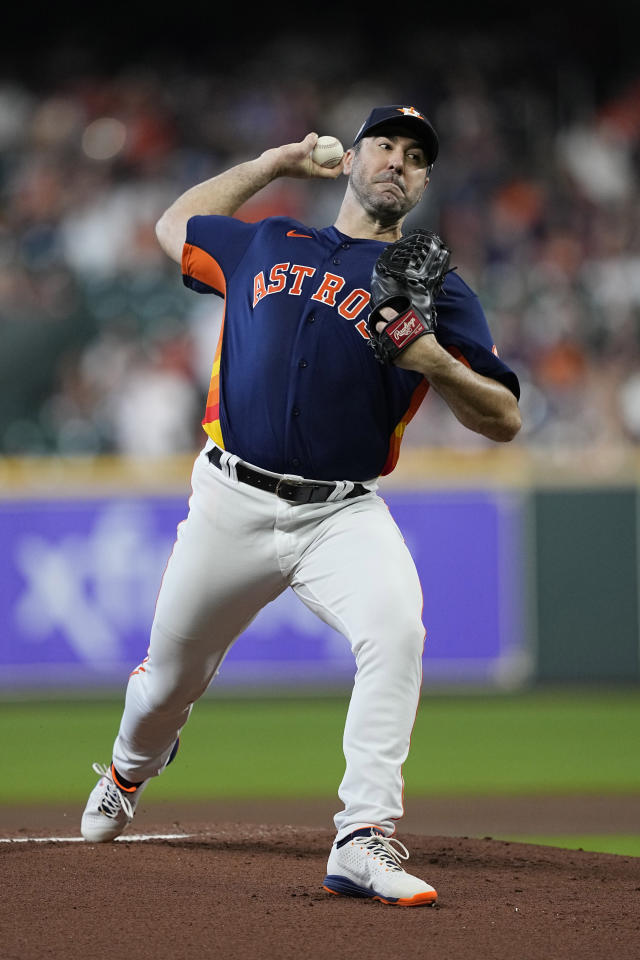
(104, 350)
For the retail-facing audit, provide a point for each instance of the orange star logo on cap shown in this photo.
(410, 112)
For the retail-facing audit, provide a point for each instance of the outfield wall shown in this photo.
(529, 572)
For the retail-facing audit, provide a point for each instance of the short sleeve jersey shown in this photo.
(295, 386)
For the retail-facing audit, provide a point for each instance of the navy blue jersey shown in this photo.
(295, 386)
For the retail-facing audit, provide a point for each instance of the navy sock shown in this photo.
(122, 782)
(362, 832)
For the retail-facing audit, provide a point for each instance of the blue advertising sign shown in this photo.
(79, 581)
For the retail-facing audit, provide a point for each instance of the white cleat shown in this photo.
(109, 810)
(368, 864)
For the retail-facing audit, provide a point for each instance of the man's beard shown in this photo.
(385, 206)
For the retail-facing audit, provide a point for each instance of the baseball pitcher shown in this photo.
(330, 340)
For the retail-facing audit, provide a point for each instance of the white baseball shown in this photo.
(328, 152)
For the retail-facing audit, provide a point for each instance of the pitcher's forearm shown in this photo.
(480, 403)
(226, 193)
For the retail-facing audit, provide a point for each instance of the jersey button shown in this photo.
(302, 364)
(336, 260)
(295, 412)
(295, 462)
(311, 318)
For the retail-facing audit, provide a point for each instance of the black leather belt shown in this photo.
(294, 491)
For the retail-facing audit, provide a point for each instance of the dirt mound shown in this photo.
(240, 891)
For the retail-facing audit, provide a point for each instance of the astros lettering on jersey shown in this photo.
(277, 273)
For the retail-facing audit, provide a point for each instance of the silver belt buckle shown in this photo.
(292, 479)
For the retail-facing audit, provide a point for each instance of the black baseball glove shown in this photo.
(408, 276)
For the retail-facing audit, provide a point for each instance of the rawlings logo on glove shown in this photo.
(407, 277)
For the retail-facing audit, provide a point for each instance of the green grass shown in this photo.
(538, 742)
(544, 743)
(624, 844)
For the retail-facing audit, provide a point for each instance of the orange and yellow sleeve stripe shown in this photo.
(417, 397)
(396, 437)
(201, 266)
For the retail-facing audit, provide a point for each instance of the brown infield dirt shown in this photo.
(245, 881)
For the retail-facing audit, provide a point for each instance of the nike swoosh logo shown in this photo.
(293, 233)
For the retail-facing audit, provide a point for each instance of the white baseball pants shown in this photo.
(238, 549)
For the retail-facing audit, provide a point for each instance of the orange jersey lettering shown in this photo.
(330, 286)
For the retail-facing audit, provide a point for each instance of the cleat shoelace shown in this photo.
(114, 800)
(384, 849)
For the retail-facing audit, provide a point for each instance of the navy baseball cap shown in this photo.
(395, 114)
